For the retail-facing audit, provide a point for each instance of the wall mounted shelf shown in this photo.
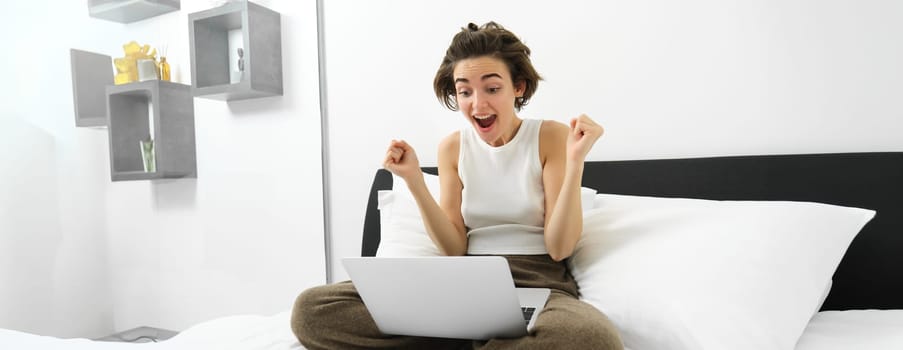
(135, 111)
(91, 73)
(127, 11)
(260, 38)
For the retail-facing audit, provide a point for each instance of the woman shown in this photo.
(501, 175)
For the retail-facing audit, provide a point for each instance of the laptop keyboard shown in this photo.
(528, 313)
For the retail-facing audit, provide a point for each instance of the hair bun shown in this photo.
(473, 27)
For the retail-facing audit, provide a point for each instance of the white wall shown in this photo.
(667, 79)
(56, 210)
(246, 236)
(46, 283)
(29, 225)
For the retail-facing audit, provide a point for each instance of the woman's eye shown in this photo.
(493, 90)
(464, 93)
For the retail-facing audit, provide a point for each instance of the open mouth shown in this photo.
(485, 121)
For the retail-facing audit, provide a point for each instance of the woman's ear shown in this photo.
(519, 88)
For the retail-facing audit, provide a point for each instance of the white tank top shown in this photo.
(503, 202)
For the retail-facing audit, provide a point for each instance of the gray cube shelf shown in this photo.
(91, 73)
(128, 121)
(209, 45)
(127, 11)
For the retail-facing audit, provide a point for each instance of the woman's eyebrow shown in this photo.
(484, 77)
(490, 75)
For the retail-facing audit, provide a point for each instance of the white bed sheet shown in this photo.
(828, 330)
(854, 329)
(246, 332)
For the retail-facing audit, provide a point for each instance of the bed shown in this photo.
(239, 332)
(823, 276)
(746, 302)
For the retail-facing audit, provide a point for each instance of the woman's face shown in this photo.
(485, 95)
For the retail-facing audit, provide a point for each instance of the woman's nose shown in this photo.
(478, 100)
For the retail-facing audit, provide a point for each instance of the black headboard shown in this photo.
(871, 273)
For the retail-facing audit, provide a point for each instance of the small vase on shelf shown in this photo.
(238, 75)
(148, 157)
(164, 69)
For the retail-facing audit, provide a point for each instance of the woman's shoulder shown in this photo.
(452, 139)
(552, 128)
(553, 137)
(450, 144)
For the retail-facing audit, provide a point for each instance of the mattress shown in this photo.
(854, 329)
(828, 330)
(246, 332)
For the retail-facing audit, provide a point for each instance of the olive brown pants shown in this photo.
(334, 317)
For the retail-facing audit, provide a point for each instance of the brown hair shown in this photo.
(492, 40)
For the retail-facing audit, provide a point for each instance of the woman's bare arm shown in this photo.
(563, 151)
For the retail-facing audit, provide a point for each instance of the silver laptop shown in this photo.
(445, 297)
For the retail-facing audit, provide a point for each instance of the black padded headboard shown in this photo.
(871, 273)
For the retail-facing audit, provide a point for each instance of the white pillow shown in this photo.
(824, 296)
(587, 198)
(401, 228)
(699, 274)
